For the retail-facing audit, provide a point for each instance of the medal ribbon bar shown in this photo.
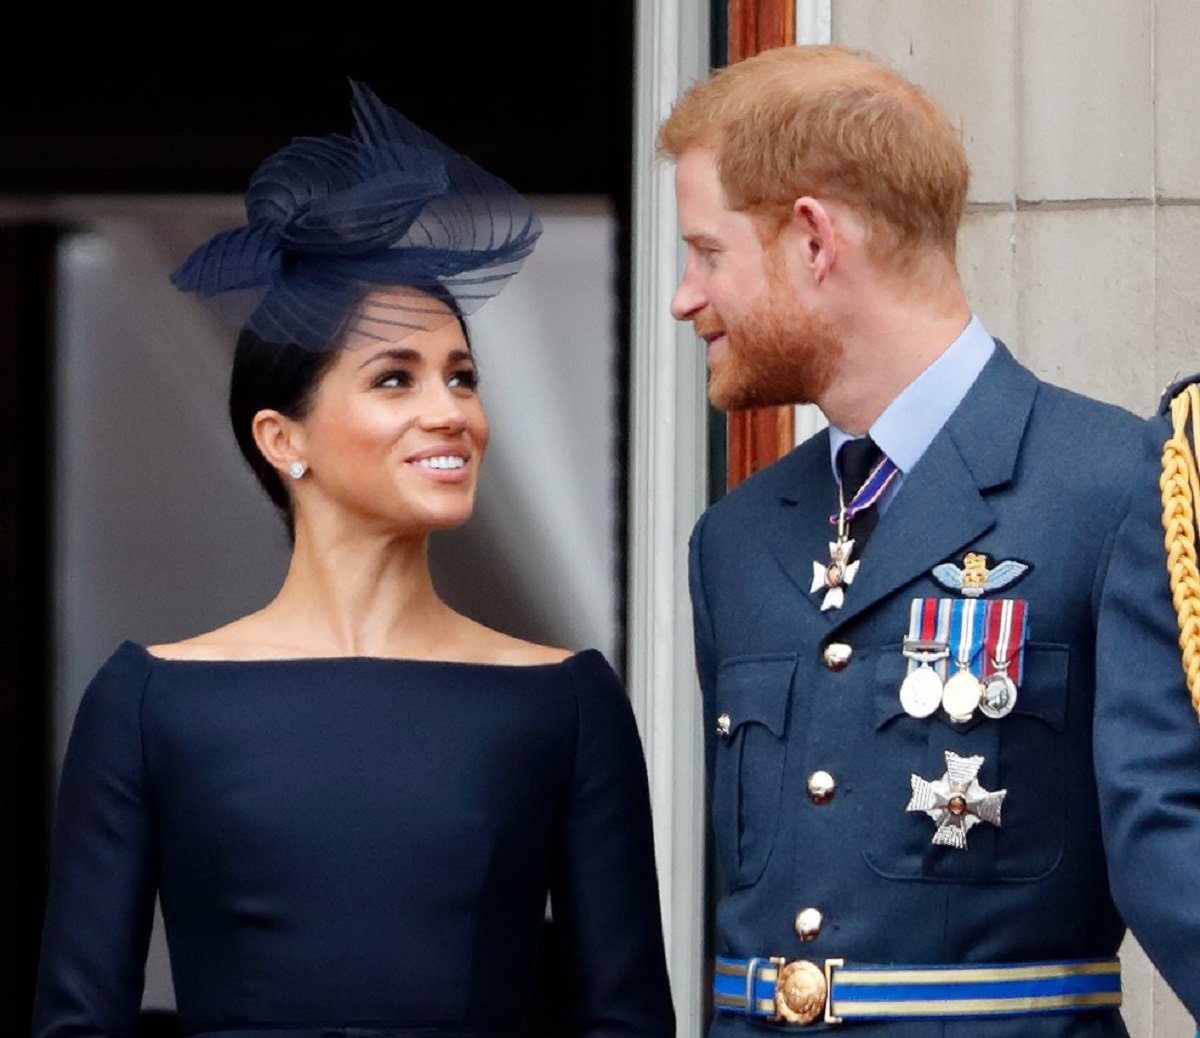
(929, 622)
(1005, 628)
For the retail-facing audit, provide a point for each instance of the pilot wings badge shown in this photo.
(974, 578)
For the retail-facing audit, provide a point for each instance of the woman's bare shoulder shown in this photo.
(242, 639)
(497, 647)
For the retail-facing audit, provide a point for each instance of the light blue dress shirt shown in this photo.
(910, 422)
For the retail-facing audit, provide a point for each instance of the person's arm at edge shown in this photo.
(1147, 742)
(103, 878)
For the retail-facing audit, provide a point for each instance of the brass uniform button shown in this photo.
(836, 655)
(808, 924)
(724, 725)
(821, 787)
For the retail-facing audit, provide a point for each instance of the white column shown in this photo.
(814, 24)
(668, 484)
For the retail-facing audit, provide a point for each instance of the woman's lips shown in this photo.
(442, 464)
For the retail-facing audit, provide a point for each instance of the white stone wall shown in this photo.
(1081, 245)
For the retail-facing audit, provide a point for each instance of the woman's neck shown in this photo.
(361, 593)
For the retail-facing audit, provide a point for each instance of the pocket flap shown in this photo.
(756, 691)
(1043, 691)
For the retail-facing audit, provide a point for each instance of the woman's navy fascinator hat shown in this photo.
(330, 220)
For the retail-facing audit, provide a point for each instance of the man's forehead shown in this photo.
(698, 188)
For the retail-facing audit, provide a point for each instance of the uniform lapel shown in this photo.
(800, 531)
(942, 506)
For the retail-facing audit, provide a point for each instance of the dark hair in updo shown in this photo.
(280, 377)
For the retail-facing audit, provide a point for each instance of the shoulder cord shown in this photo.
(1180, 488)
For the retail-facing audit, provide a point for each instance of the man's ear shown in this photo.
(812, 229)
(279, 438)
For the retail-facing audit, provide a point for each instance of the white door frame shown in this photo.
(668, 459)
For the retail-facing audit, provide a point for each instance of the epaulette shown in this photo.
(1174, 389)
(1179, 485)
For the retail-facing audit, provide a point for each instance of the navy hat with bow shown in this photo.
(333, 220)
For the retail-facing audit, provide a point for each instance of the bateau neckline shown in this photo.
(378, 660)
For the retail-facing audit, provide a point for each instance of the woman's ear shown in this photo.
(280, 439)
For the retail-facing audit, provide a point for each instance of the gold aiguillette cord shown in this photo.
(1179, 485)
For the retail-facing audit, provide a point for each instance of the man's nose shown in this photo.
(687, 298)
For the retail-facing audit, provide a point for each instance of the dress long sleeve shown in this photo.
(103, 875)
(605, 889)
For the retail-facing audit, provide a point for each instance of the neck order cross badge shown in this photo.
(833, 577)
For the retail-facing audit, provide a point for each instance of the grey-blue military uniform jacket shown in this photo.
(1021, 471)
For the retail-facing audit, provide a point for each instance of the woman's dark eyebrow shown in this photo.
(408, 355)
(398, 353)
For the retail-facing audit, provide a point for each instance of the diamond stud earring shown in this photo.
(297, 469)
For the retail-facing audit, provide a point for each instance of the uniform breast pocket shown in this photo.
(752, 696)
(1023, 754)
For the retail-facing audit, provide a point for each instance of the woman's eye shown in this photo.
(394, 380)
(467, 378)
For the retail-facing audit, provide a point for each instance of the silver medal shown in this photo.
(961, 695)
(999, 695)
(921, 691)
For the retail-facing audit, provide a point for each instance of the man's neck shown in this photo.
(886, 346)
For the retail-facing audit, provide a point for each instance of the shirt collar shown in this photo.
(910, 422)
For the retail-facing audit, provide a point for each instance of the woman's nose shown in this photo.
(442, 409)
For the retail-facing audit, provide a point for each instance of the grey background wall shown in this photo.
(1081, 121)
(1079, 247)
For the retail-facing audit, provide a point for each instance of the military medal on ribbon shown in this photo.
(963, 691)
(1004, 643)
(926, 647)
(983, 640)
(834, 576)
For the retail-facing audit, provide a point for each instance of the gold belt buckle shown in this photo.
(802, 991)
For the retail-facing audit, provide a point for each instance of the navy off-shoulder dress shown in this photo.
(352, 846)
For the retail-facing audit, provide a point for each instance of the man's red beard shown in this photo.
(783, 354)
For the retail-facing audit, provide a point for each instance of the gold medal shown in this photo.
(961, 696)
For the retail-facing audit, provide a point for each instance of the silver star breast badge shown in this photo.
(956, 801)
(835, 575)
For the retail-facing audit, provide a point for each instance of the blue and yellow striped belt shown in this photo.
(800, 992)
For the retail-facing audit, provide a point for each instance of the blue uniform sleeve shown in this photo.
(102, 875)
(1147, 743)
(604, 887)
